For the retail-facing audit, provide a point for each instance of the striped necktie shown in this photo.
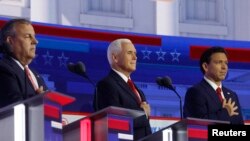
(27, 72)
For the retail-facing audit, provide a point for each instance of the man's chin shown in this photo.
(32, 56)
(132, 70)
(222, 78)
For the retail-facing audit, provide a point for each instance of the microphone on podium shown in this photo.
(167, 82)
(80, 69)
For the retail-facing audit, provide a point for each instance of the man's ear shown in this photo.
(205, 66)
(8, 43)
(114, 58)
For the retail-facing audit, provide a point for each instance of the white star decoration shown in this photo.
(63, 60)
(175, 56)
(146, 53)
(161, 55)
(47, 58)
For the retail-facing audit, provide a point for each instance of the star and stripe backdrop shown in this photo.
(176, 57)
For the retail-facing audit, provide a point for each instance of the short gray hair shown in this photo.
(9, 30)
(116, 47)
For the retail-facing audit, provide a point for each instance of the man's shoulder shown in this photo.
(111, 79)
(8, 66)
(107, 79)
(111, 76)
(6, 60)
(4, 64)
(199, 85)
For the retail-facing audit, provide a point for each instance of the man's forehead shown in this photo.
(24, 28)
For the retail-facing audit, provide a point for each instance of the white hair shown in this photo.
(115, 47)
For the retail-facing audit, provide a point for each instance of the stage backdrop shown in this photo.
(176, 57)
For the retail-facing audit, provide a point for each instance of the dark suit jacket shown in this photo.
(201, 101)
(114, 91)
(14, 85)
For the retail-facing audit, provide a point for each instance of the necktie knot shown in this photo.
(218, 92)
(130, 83)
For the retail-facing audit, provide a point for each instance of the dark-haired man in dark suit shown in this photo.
(209, 99)
(18, 46)
(116, 89)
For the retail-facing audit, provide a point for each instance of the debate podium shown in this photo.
(189, 129)
(174, 132)
(197, 128)
(35, 119)
(109, 124)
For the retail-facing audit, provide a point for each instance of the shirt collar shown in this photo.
(212, 84)
(124, 77)
(18, 63)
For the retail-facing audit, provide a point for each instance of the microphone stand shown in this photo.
(96, 92)
(181, 114)
(79, 69)
(166, 82)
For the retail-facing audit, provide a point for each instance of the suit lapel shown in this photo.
(20, 74)
(226, 93)
(17, 69)
(123, 85)
(211, 92)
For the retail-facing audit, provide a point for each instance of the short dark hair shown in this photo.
(206, 55)
(8, 30)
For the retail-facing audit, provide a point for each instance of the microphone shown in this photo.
(167, 82)
(80, 69)
(158, 81)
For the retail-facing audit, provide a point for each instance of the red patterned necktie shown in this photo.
(27, 71)
(132, 86)
(218, 92)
